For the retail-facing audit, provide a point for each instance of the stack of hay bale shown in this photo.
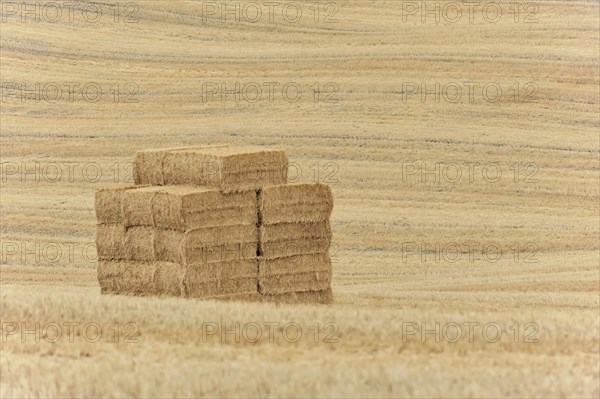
(215, 222)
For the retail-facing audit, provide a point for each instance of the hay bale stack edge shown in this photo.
(215, 222)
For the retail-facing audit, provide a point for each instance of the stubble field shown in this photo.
(463, 159)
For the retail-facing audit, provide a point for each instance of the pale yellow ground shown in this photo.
(545, 221)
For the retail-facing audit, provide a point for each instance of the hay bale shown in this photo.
(221, 167)
(187, 207)
(216, 288)
(108, 202)
(287, 239)
(141, 278)
(139, 243)
(321, 297)
(296, 264)
(222, 278)
(308, 272)
(147, 167)
(110, 241)
(212, 244)
(137, 206)
(299, 202)
(290, 248)
(125, 278)
(169, 279)
(232, 216)
(297, 282)
(294, 231)
(148, 164)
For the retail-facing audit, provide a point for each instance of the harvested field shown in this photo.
(479, 211)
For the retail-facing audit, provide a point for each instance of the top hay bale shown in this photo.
(220, 167)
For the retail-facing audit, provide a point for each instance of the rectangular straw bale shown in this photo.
(297, 264)
(221, 167)
(221, 235)
(320, 297)
(253, 167)
(188, 207)
(108, 202)
(294, 231)
(137, 206)
(298, 202)
(148, 164)
(169, 279)
(141, 278)
(139, 243)
(289, 248)
(220, 217)
(240, 268)
(309, 281)
(211, 244)
(287, 239)
(124, 277)
(147, 167)
(208, 289)
(222, 278)
(110, 241)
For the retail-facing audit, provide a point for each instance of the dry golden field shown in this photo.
(463, 156)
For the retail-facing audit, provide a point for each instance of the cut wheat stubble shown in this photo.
(324, 296)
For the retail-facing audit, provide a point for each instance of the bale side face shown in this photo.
(214, 244)
(171, 279)
(296, 264)
(294, 231)
(284, 283)
(253, 169)
(307, 272)
(229, 169)
(141, 278)
(186, 207)
(137, 206)
(110, 241)
(139, 243)
(300, 202)
(290, 248)
(222, 278)
(108, 202)
(125, 278)
(222, 217)
(148, 167)
(288, 239)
